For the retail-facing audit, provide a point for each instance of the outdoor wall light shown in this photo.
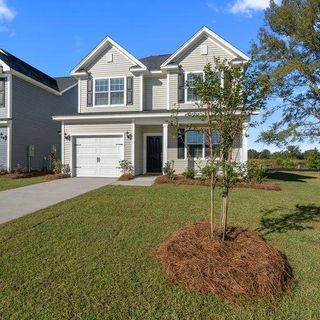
(3, 136)
(128, 135)
(67, 136)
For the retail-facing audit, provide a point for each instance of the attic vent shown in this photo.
(204, 49)
(109, 57)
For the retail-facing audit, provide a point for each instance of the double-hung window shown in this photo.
(190, 78)
(198, 144)
(109, 91)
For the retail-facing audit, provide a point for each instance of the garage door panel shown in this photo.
(99, 156)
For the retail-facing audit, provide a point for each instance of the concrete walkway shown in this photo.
(16, 203)
(144, 181)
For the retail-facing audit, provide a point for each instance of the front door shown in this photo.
(154, 154)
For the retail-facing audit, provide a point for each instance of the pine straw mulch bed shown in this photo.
(47, 175)
(265, 185)
(244, 265)
(126, 177)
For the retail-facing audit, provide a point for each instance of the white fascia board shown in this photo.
(170, 67)
(214, 36)
(34, 82)
(115, 116)
(100, 47)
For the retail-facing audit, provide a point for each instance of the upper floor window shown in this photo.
(190, 78)
(109, 91)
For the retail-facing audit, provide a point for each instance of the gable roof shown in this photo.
(27, 70)
(154, 62)
(100, 47)
(215, 38)
(66, 82)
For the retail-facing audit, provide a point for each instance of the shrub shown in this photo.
(255, 173)
(189, 173)
(57, 166)
(168, 170)
(3, 171)
(126, 167)
(65, 169)
(19, 169)
(313, 159)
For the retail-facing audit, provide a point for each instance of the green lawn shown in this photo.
(93, 257)
(6, 184)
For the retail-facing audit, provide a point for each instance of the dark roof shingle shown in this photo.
(154, 62)
(65, 82)
(28, 70)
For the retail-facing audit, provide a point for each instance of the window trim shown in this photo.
(186, 101)
(203, 148)
(109, 92)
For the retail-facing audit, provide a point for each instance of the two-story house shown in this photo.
(124, 105)
(28, 100)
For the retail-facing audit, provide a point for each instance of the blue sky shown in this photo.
(55, 35)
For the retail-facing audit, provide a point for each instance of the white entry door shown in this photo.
(98, 156)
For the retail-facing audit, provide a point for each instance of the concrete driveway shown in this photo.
(16, 203)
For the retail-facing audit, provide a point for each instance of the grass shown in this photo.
(6, 183)
(93, 257)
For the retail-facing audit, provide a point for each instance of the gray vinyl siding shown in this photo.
(96, 129)
(4, 110)
(3, 149)
(155, 93)
(32, 124)
(100, 67)
(180, 165)
(191, 61)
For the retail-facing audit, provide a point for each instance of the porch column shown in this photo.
(244, 157)
(133, 147)
(165, 144)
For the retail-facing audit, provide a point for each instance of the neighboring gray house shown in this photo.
(28, 100)
(124, 104)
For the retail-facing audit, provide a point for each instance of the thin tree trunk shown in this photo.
(212, 205)
(225, 215)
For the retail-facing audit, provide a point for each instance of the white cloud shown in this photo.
(6, 13)
(249, 6)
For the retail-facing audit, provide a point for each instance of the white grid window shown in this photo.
(198, 144)
(109, 91)
(190, 95)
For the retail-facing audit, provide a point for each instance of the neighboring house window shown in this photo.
(190, 78)
(198, 144)
(109, 91)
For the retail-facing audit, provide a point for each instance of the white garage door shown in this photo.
(98, 156)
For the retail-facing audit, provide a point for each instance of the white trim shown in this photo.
(141, 91)
(244, 153)
(186, 87)
(35, 82)
(145, 135)
(214, 36)
(79, 95)
(100, 47)
(168, 91)
(109, 92)
(138, 115)
(170, 67)
(89, 134)
(165, 144)
(9, 146)
(5, 67)
(62, 143)
(133, 141)
(69, 88)
(9, 106)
